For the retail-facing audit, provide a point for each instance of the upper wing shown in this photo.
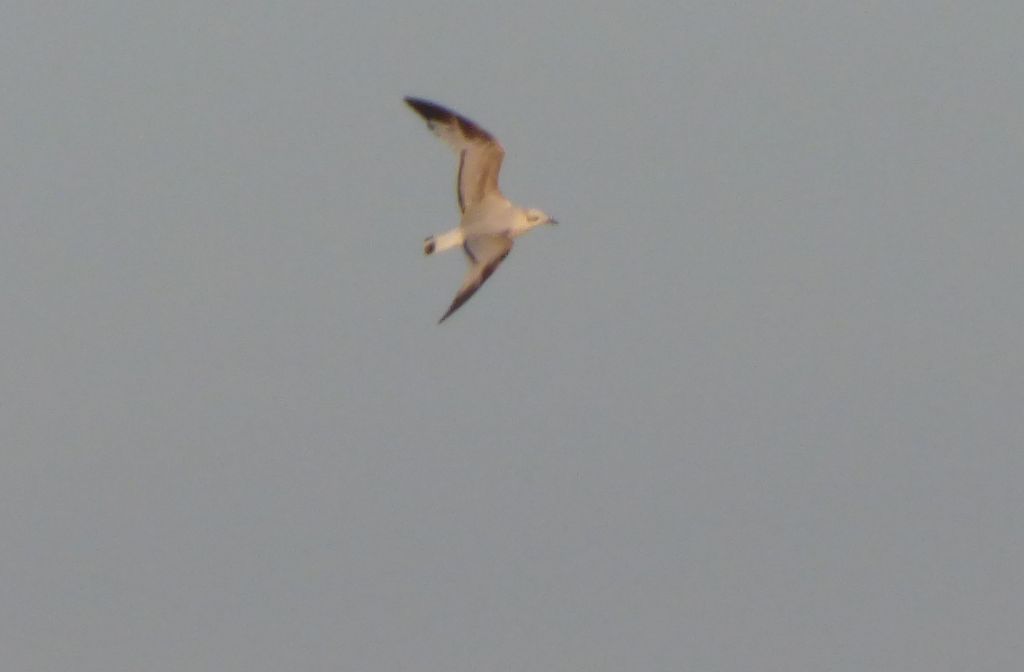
(485, 255)
(480, 154)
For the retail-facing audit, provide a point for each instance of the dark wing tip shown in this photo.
(429, 110)
(461, 299)
(445, 316)
(434, 112)
(469, 291)
(456, 304)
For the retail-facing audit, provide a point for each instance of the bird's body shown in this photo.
(493, 216)
(489, 220)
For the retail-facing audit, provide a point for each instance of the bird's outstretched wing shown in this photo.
(485, 254)
(480, 154)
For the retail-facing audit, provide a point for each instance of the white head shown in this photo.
(536, 217)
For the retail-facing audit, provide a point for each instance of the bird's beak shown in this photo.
(552, 220)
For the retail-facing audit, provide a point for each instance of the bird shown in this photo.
(489, 221)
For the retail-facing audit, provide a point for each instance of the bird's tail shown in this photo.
(443, 241)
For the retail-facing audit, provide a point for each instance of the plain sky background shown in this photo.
(757, 403)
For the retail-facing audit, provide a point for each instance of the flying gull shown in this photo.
(489, 221)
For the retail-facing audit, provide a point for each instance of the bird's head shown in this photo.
(536, 217)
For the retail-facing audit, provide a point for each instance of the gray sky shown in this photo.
(755, 404)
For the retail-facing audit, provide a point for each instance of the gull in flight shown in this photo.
(489, 221)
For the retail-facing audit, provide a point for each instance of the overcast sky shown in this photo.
(756, 404)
